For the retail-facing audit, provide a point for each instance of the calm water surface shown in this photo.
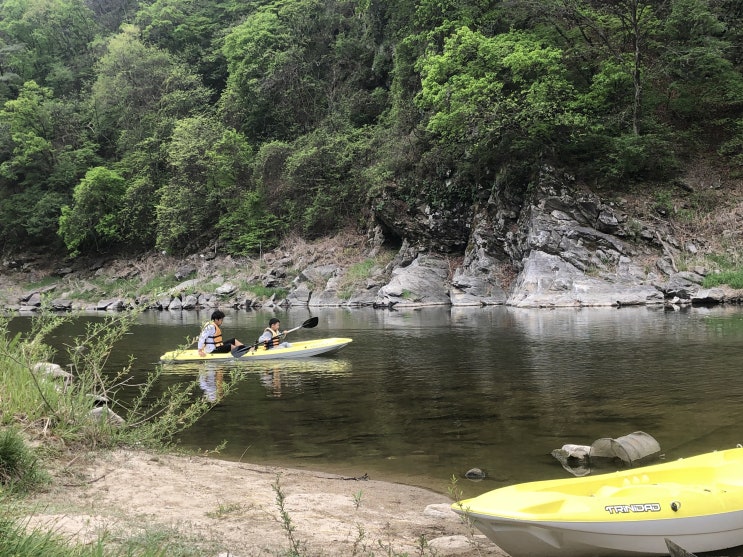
(421, 395)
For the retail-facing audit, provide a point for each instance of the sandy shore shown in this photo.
(231, 509)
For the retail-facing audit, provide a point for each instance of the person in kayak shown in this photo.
(271, 337)
(210, 339)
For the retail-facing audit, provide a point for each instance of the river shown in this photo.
(424, 394)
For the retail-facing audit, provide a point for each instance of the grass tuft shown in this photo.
(20, 470)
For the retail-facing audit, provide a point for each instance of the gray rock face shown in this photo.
(422, 283)
(554, 248)
(440, 230)
(550, 281)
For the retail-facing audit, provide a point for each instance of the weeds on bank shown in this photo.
(457, 495)
(225, 510)
(20, 470)
(63, 408)
(734, 279)
(360, 548)
(295, 546)
(33, 402)
(731, 272)
(17, 540)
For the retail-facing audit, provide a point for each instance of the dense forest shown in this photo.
(181, 125)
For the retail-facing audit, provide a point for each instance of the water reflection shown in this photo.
(211, 381)
(275, 375)
(421, 395)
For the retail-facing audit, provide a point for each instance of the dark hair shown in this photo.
(273, 320)
(217, 314)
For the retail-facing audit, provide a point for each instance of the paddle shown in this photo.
(308, 324)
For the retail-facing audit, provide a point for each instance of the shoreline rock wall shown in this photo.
(555, 248)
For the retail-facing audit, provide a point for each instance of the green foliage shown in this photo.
(140, 92)
(732, 148)
(65, 406)
(208, 162)
(91, 222)
(344, 102)
(247, 228)
(729, 271)
(46, 155)
(732, 278)
(20, 470)
(273, 87)
(702, 80)
(57, 35)
(29, 124)
(264, 292)
(22, 393)
(293, 65)
(360, 272)
(505, 96)
(631, 157)
(310, 185)
(319, 174)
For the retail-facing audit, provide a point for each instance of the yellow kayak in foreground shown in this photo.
(299, 349)
(696, 503)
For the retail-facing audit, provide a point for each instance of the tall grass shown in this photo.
(16, 540)
(52, 408)
(23, 394)
(730, 271)
(734, 279)
(20, 470)
(48, 408)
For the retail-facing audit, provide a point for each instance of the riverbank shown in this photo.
(222, 508)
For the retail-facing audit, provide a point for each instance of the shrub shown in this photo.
(20, 470)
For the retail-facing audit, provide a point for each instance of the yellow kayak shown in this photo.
(299, 349)
(696, 503)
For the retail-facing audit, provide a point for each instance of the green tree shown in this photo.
(248, 227)
(208, 169)
(188, 30)
(27, 161)
(29, 126)
(9, 79)
(90, 224)
(293, 65)
(44, 152)
(140, 92)
(275, 61)
(619, 35)
(57, 36)
(498, 98)
(702, 84)
(145, 171)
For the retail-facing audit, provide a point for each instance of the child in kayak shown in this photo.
(271, 337)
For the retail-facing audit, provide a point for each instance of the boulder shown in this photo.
(422, 283)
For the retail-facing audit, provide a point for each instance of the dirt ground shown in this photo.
(232, 509)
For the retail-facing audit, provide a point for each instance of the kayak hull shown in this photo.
(299, 349)
(696, 503)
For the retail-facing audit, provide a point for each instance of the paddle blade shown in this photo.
(240, 351)
(311, 322)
